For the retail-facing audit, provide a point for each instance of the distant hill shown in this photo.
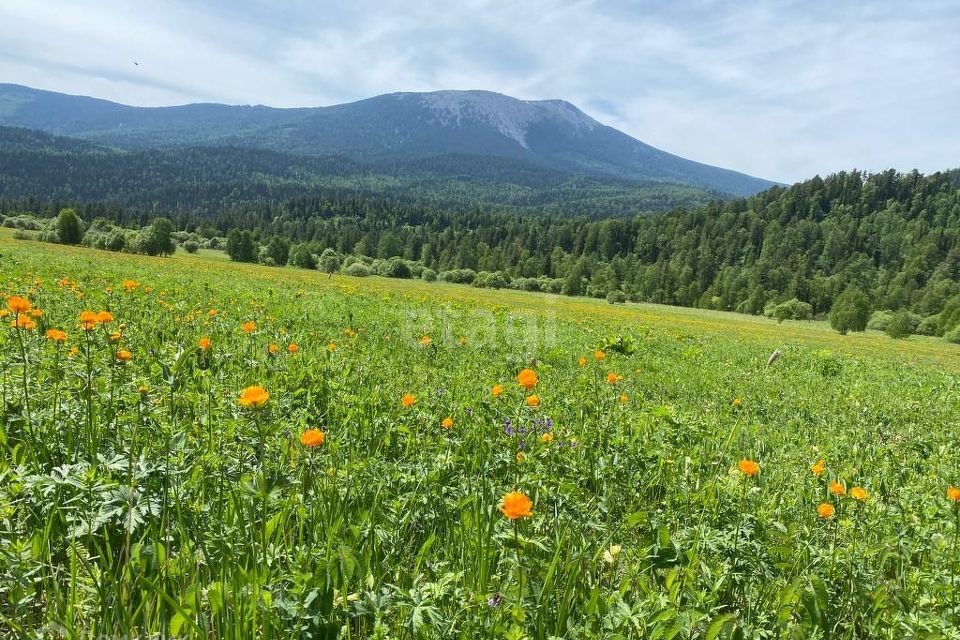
(385, 130)
(207, 180)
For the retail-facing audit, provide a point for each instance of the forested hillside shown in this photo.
(895, 237)
(203, 181)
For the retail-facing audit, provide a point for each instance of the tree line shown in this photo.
(887, 242)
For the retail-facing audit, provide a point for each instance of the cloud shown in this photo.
(778, 89)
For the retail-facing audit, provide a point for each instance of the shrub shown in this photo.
(850, 312)
(903, 324)
(616, 297)
(953, 335)
(301, 256)
(69, 227)
(358, 270)
(429, 275)
(191, 246)
(793, 309)
(879, 320)
(929, 326)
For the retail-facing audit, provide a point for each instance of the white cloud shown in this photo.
(777, 89)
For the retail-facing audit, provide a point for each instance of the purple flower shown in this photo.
(495, 600)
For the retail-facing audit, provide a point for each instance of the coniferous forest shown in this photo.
(893, 237)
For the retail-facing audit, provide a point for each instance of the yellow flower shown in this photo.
(748, 467)
(527, 378)
(17, 304)
(24, 322)
(859, 493)
(600, 355)
(826, 510)
(521, 457)
(88, 320)
(273, 348)
(546, 438)
(533, 401)
(818, 467)
(737, 403)
(447, 422)
(516, 505)
(331, 346)
(115, 336)
(408, 400)
(624, 398)
(254, 397)
(313, 438)
(582, 361)
(425, 341)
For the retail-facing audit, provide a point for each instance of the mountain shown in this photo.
(392, 128)
(207, 180)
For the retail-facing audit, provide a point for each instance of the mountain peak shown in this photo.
(397, 127)
(510, 116)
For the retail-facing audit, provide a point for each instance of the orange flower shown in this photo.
(600, 355)
(546, 438)
(837, 489)
(248, 326)
(533, 401)
(204, 343)
(496, 390)
(124, 356)
(748, 467)
(212, 313)
(613, 378)
(408, 400)
(825, 510)
(104, 317)
(859, 493)
(254, 397)
(130, 285)
(447, 422)
(88, 320)
(24, 322)
(425, 341)
(582, 361)
(17, 304)
(293, 347)
(953, 494)
(527, 378)
(818, 467)
(36, 313)
(516, 505)
(273, 348)
(56, 335)
(313, 438)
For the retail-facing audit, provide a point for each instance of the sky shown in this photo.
(780, 90)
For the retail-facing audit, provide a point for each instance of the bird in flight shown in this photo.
(136, 64)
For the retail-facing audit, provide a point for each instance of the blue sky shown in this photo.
(781, 90)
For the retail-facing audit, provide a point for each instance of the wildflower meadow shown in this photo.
(196, 449)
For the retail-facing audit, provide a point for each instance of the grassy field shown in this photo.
(236, 451)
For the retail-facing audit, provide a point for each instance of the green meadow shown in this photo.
(218, 450)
